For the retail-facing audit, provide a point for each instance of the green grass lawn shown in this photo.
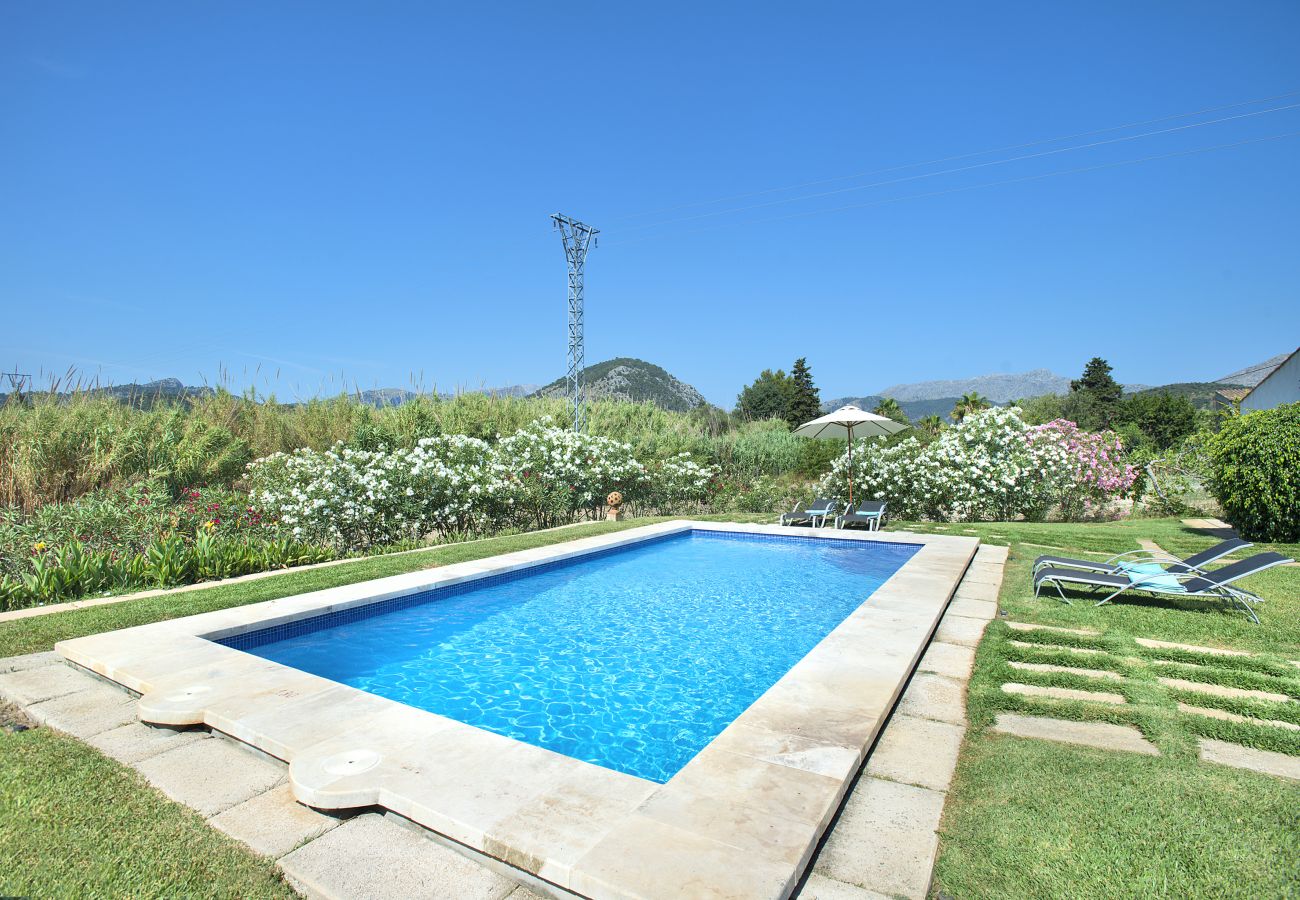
(1030, 818)
(74, 823)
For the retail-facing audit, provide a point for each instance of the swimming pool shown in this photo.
(633, 658)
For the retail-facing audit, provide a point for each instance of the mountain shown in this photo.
(1201, 393)
(913, 409)
(1253, 375)
(999, 386)
(379, 397)
(631, 379)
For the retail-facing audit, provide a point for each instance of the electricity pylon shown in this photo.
(577, 237)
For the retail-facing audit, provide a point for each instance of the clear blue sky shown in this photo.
(358, 192)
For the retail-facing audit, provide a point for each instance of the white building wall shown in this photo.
(1282, 386)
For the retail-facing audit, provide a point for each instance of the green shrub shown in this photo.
(1255, 473)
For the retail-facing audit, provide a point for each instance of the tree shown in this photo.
(805, 399)
(1095, 396)
(931, 425)
(767, 398)
(889, 408)
(970, 402)
(1166, 419)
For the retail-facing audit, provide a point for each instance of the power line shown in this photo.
(946, 159)
(971, 187)
(959, 169)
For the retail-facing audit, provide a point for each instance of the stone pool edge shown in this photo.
(741, 819)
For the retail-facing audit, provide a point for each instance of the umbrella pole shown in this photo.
(850, 468)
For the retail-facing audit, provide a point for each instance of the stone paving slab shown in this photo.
(87, 712)
(819, 887)
(932, 696)
(1028, 646)
(1191, 648)
(1220, 690)
(1060, 693)
(917, 751)
(992, 553)
(885, 837)
(1101, 735)
(973, 609)
(1066, 670)
(374, 858)
(977, 590)
(963, 630)
(950, 660)
(273, 823)
(28, 686)
(210, 776)
(1282, 765)
(1233, 717)
(1028, 626)
(135, 742)
(29, 661)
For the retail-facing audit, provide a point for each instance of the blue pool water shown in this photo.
(633, 658)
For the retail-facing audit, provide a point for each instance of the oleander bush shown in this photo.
(1254, 464)
(991, 466)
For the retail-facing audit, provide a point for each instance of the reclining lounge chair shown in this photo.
(869, 514)
(1141, 560)
(815, 515)
(1196, 584)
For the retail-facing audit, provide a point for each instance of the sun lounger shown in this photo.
(814, 515)
(869, 514)
(1215, 583)
(1141, 561)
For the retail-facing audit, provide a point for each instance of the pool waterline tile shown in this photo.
(743, 767)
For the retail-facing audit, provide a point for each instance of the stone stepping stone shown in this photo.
(951, 660)
(375, 857)
(917, 751)
(35, 685)
(86, 713)
(1028, 646)
(1025, 626)
(886, 837)
(977, 590)
(1059, 693)
(211, 776)
(1152, 644)
(1282, 765)
(135, 742)
(1068, 670)
(1233, 717)
(819, 887)
(273, 823)
(1219, 690)
(972, 609)
(954, 629)
(1102, 735)
(934, 697)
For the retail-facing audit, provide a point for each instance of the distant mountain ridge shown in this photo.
(1000, 387)
(625, 378)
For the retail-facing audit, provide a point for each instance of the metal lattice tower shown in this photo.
(577, 238)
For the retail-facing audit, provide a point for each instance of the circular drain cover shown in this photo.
(188, 693)
(352, 762)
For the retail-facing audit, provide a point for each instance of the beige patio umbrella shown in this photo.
(843, 423)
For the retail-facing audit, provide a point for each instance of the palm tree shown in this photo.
(889, 408)
(931, 425)
(970, 402)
